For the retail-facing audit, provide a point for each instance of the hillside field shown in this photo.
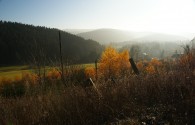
(11, 72)
(16, 72)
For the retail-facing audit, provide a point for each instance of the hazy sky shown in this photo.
(139, 15)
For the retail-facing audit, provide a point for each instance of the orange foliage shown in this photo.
(153, 66)
(140, 65)
(186, 59)
(30, 77)
(150, 69)
(112, 63)
(90, 72)
(53, 74)
(123, 60)
(155, 62)
(17, 78)
(5, 80)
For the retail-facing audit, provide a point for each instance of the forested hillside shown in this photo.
(21, 43)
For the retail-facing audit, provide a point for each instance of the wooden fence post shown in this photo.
(61, 60)
(134, 67)
(96, 68)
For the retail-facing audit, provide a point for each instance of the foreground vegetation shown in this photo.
(162, 94)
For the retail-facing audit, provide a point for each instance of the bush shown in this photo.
(12, 88)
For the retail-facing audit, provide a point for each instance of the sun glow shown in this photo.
(154, 15)
(166, 16)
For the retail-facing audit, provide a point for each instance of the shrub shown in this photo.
(10, 88)
(53, 74)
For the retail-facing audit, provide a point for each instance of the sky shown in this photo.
(133, 15)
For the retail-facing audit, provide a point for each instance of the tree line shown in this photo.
(22, 43)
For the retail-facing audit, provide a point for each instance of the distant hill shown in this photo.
(105, 36)
(20, 43)
(77, 31)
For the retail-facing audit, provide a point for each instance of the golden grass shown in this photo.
(12, 75)
(139, 99)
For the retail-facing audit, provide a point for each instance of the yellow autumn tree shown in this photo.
(112, 63)
(123, 62)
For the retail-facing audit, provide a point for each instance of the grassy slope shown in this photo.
(11, 68)
(11, 72)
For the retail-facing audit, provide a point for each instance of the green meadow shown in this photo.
(11, 72)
